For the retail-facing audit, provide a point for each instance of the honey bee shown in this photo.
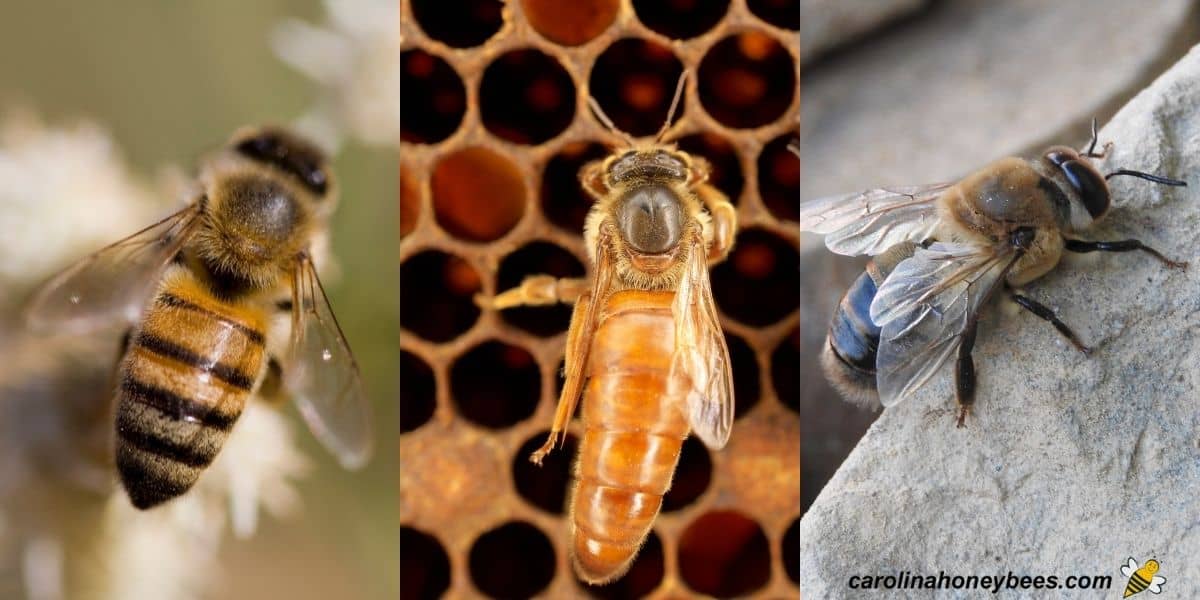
(208, 292)
(941, 252)
(644, 341)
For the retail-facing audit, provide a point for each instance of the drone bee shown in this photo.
(941, 252)
(644, 340)
(207, 292)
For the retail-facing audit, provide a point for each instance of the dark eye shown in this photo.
(293, 157)
(1091, 187)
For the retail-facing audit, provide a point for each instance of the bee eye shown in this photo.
(1090, 186)
(291, 156)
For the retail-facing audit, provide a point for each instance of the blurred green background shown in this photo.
(170, 81)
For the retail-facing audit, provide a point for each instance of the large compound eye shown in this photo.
(290, 155)
(650, 219)
(1093, 192)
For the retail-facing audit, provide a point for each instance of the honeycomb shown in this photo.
(494, 128)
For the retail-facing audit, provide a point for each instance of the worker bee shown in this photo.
(208, 292)
(644, 341)
(1142, 579)
(941, 252)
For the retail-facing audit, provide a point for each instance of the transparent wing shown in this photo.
(870, 222)
(112, 283)
(1128, 569)
(923, 307)
(322, 375)
(701, 353)
(1155, 586)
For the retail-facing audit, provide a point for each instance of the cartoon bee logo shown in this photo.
(1142, 579)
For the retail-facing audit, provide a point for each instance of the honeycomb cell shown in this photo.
(478, 195)
(784, 374)
(514, 560)
(643, 576)
(747, 80)
(779, 178)
(410, 201)
(692, 476)
(526, 97)
(495, 385)
(789, 551)
(570, 23)
(538, 258)
(634, 81)
(417, 392)
(436, 301)
(724, 554)
(680, 19)
(726, 173)
(745, 375)
(459, 23)
(562, 197)
(759, 283)
(433, 96)
(424, 566)
(784, 14)
(545, 486)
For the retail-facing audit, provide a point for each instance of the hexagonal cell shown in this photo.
(418, 389)
(724, 553)
(433, 96)
(538, 258)
(779, 178)
(680, 19)
(785, 375)
(643, 575)
(526, 97)
(747, 80)
(780, 13)
(545, 486)
(514, 560)
(745, 375)
(634, 81)
(562, 197)
(570, 23)
(410, 201)
(759, 283)
(478, 195)
(789, 551)
(726, 174)
(436, 303)
(459, 23)
(692, 476)
(495, 385)
(424, 566)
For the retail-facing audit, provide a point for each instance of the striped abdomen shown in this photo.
(188, 369)
(633, 434)
(848, 357)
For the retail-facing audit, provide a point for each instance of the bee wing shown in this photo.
(701, 353)
(872, 221)
(322, 375)
(1155, 586)
(113, 282)
(923, 307)
(1128, 569)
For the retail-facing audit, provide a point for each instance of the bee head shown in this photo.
(1087, 183)
(288, 154)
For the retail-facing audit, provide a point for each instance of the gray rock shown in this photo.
(1070, 464)
(825, 24)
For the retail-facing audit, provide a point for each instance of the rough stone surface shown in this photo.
(1069, 464)
(825, 24)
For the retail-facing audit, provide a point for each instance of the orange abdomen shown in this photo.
(633, 433)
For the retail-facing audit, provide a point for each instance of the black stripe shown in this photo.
(175, 406)
(149, 441)
(176, 302)
(169, 349)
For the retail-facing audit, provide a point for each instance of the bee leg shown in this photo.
(1048, 315)
(271, 388)
(537, 290)
(1120, 246)
(964, 371)
(573, 367)
(724, 221)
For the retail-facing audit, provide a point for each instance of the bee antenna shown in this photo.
(1091, 151)
(1147, 177)
(607, 122)
(674, 105)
